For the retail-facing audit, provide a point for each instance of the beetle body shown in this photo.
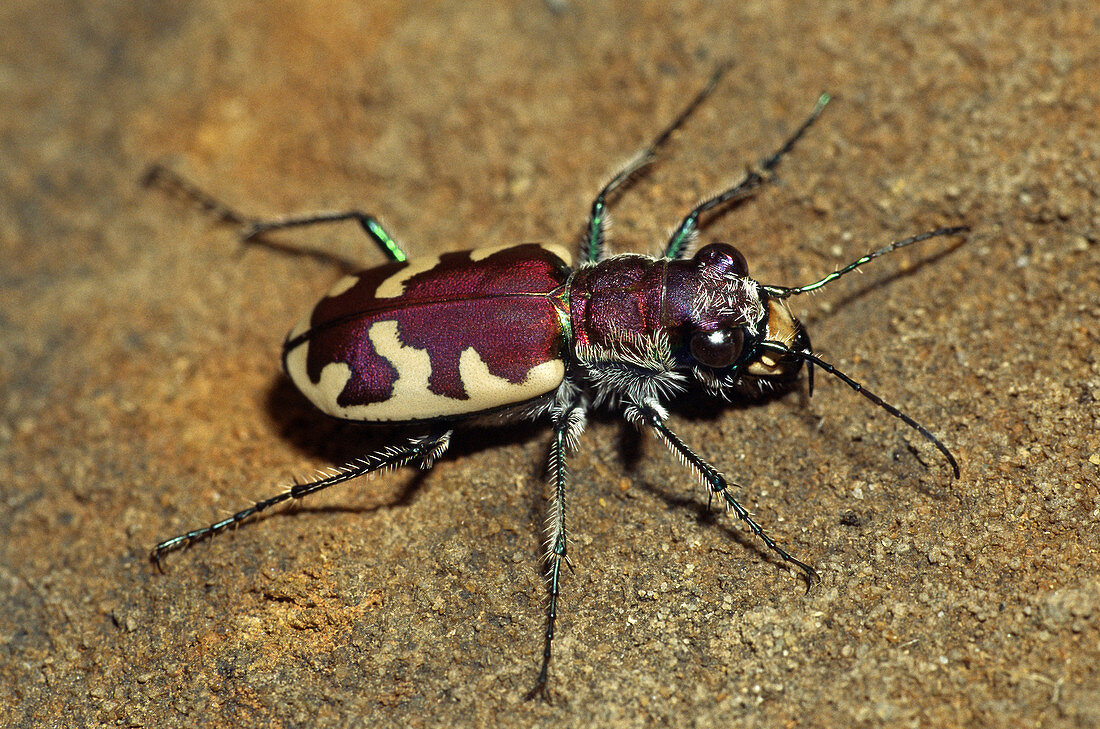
(422, 340)
(526, 331)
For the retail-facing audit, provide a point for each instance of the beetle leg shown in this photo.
(368, 223)
(158, 174)
(653, 416)
(592, 246)
(568, 423)
(425, 449)
(753, 179)
(161, 176)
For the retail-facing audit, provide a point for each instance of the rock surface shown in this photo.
(140, 394)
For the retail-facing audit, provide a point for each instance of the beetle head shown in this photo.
(780, 325)
(743, 329)
(731, 314)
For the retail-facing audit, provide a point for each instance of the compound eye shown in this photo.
(723, 258)
(717, 349)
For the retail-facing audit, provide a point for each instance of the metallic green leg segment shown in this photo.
(753, 179)
(368, 223)
(592, 247)
(566, 429)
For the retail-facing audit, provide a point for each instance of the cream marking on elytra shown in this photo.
(299, 329)
(394, 286)
(411, 399)
(323, 394)
(559, 251)
(480, 254)
(306, 322)
(342, 286)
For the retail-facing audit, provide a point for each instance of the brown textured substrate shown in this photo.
(140, 395)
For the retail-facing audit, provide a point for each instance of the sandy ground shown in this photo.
(140, 393)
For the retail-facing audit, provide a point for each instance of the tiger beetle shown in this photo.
(522, 332)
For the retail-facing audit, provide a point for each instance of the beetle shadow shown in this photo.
(161, 175)
(715, 516)
(338, 442)
(904, 453)
(345, 266)
(885, 280)
(693, 405)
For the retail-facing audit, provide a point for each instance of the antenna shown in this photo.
(814, 360)
(783, 292)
